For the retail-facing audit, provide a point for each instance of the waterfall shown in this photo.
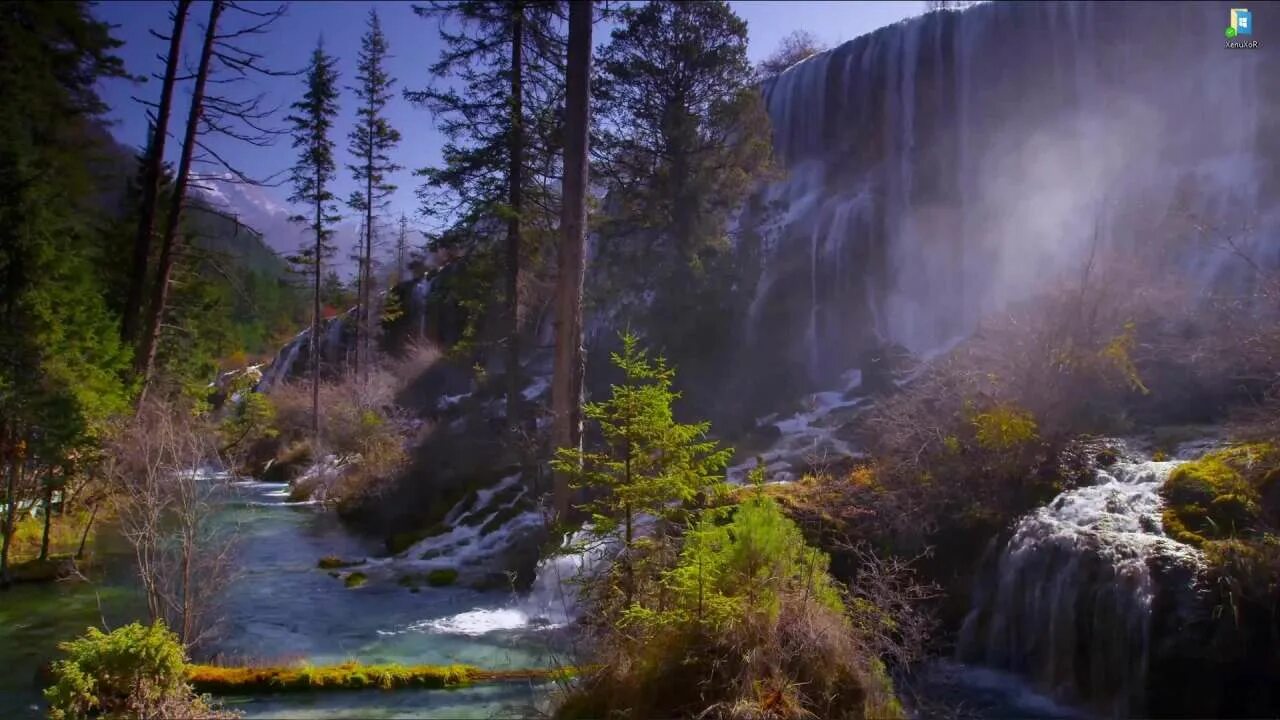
(279, 370)
(939, 168)
(421, 290)
(1069, 598)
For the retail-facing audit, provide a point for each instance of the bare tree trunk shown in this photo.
(151, 180)
(48, 515)
(11, 508)
(567, 377)
(368, 259)
(355, 366)
(160, 291)
(84, 536)
(515, 192)
(315, 316)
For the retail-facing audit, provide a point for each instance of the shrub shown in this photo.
(134, 671)
(1003, 427)
(748, 623)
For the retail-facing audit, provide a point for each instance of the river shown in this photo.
(280, 607)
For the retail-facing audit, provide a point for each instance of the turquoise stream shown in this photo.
(280, 607)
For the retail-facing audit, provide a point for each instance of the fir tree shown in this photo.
(313, 177)
(372, 140)
(498, 117)
(648, 465)
(685, 139)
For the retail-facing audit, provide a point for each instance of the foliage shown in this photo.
(797, 46)
(471, 191)
(751, 625)
(371, 142)
(648, 464)
(251, 419)
(60, 357)
(684, 139)
(132, 672)
(1003, 427)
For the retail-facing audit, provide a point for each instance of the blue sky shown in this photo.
(414, 44)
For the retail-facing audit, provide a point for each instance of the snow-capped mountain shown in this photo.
(259, 209)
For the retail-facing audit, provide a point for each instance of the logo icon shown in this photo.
(1241, 23)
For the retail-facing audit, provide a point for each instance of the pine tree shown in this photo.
(685, 139)
(372, 140)
(499, 121)
(567, 376)
(312, 178)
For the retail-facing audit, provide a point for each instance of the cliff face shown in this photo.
(938, 168)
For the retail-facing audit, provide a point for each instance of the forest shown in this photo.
(931, 373)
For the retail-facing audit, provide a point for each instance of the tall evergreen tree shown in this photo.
(506, 61)
(372, 140)
(60, 354)
(568, 371)
(685, 139)
(313, 177)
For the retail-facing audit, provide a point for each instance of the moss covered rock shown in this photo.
(1222, 495)
(333, 562)
(355, 580)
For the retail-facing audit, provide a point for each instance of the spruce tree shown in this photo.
(313, 177)
(499, 121)
(648, 463)
(372, 140)
(685, 139)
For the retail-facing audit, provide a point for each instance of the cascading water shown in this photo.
(938, 168)
(280, 368)
(1068, 600)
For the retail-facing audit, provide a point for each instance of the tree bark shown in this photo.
(368, 259)
(160, 291)
(48, 515)
(151, 180)
(315, 315)
(567, 376)
(84, 536)
(11, 509)
(515, 191)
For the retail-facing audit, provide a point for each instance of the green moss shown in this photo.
(442, 577)
(333, 562)
(1220, 495)
(355, 580)
(351, 676)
